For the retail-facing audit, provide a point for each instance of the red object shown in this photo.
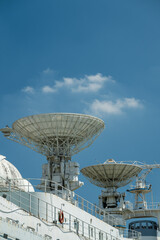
(61, 217)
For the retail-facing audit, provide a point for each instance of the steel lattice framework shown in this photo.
(55, 134)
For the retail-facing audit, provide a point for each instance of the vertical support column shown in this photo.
(38, 209)
(56, 189)
(77, 226)
(82, 228)
(9, 190)
(45, 186)
(89, 228)
(76, 200)
(92, 209)
(94, 233)
(19, 198)
(108, 219)
(69, 222)
(29, 202)
(158, 217)
(87, 206)
(136, 200)
(144, 200)
(46, 211)
(72, 197)
(82, 203)
(54, 214)
(103, 215)
(95, 212)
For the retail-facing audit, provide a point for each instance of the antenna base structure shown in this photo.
(111, 199)
(141, 188)
(58, 136)
(111, 175)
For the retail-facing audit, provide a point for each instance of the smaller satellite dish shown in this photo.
(111, 173)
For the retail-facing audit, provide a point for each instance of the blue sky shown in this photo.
(94, 57)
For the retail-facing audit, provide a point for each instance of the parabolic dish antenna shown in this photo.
(55, 134)
(111, 174)
(58, 136)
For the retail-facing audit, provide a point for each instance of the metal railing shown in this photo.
(8, 226)
(146, 186)
(128, 233)
(129, 205)
(153, 206)
(49, 213)
(63, 193)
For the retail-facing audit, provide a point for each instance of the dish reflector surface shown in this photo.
(57, 134)
(111, 174)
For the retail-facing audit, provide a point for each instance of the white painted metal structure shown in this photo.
(141, 188)
(58, 136)
(55, 134)
(111, 174)
(35, 216)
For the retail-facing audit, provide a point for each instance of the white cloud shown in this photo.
(114, 107)
(98, 78)
(69, 81)
(90, 83)
(28, 89)
(48, 71)
(132, 103)
(48, 89)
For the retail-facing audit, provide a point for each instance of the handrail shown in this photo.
(132, 187)
(48, 212)
(152, 206)
(20, 227)
(67, 195)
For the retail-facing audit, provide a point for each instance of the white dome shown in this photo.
(27, 186)
(9, 172)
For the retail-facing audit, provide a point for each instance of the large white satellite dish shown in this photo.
(58, 136)
(55, 134)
